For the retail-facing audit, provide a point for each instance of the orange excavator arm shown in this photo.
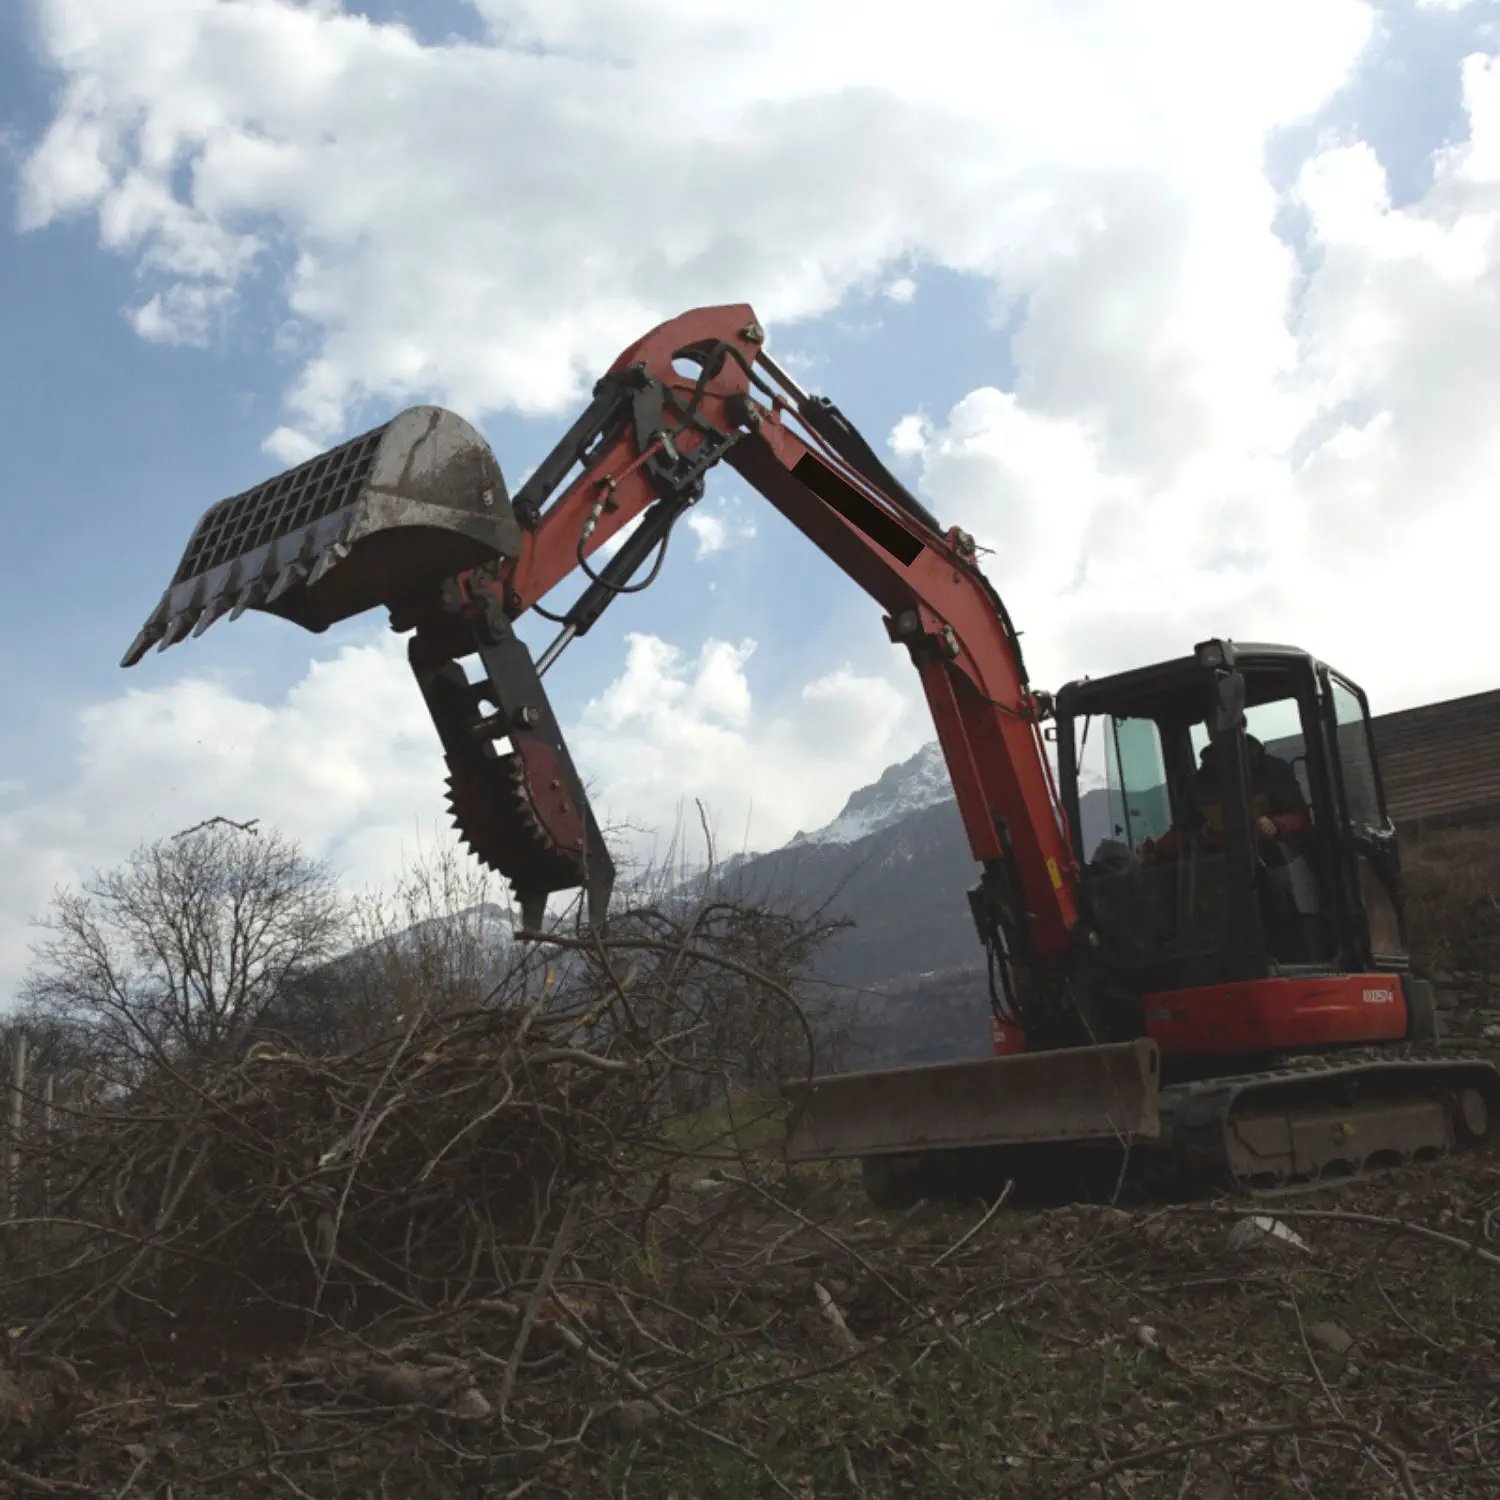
(415, 515)
(701, 389)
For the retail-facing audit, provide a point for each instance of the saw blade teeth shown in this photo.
(495, 820)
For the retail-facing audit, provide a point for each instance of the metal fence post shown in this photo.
(13, 1144)
(49, 1119)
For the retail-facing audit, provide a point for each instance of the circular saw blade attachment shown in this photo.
(522, 811)
(516, 816)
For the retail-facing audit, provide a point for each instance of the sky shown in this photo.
(1187, 310)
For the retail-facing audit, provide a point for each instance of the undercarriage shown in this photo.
(1056, 1134)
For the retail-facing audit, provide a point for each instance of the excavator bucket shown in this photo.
(385, 519)
(377, 520)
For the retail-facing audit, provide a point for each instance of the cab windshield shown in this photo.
(1155, 833)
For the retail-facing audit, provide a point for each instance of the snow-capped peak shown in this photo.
(901, 790)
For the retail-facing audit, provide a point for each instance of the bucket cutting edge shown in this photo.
(384, 517)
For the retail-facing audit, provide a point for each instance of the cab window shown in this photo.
(1278, 726)
(1356, 760)
(1136, 771)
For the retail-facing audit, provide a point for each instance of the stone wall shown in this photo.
(1468, 1003)
(1452, 879)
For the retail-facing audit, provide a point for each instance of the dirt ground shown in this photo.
(774, 1337)
(354, 1292)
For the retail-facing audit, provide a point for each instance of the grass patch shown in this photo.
(750, 1126)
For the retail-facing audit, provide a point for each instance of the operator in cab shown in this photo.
(1282, 822)
(1277, 804)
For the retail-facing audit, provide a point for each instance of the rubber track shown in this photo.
(1196, 1116)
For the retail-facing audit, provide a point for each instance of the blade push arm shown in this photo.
(700, 389)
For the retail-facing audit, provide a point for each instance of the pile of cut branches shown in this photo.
(487, 1256)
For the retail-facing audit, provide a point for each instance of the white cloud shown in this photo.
(348, 763)
(846, 712)
(798, 361)
(1324, 476)
(1028, 486)
(188, 314)
(422, 249)
(611, 545)
(910, 435)
(719, 524)
(656, 685)
(711, 533)
(674, 727)
(290, 446)
(902, 289)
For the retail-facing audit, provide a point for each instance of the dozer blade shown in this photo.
(1073, 1094)
(377, 520)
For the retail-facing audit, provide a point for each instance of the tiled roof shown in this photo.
(1441, 760)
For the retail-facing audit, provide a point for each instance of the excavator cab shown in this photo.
(1227, 813)
(1241, 910)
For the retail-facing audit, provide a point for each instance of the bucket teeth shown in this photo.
(178, 627)
(252, 594)
(217, 607)
(378, 520)
(328, 558)
(206, 619)
(151, 633)
(288, 579)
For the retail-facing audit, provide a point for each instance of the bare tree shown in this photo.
(438, 942)
(727, 1025)
(189, 942)
(441, 936)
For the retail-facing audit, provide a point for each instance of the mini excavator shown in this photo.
(1221, 982)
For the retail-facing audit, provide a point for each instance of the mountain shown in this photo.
(900, 790)
(896, 863)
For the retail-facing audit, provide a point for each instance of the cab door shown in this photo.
(1378, 931)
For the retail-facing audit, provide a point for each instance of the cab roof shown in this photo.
(1164, 686)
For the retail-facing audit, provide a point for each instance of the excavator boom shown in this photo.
(416, 516)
